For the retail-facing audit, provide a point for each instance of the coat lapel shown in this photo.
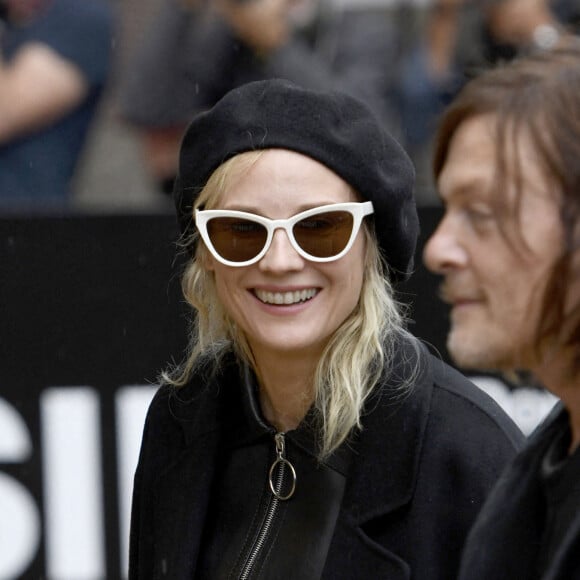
(353, 554)
(383, 474)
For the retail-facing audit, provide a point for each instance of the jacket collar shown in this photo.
(557, 422)
(389, 443)
(200, 406)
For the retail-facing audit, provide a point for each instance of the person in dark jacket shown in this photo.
(308, 434)
(506, 162)
(192, 52)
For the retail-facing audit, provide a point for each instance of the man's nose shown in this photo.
(444, 250)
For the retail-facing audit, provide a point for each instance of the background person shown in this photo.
(459, 39)
(308, 434)
(54, 61)
(508, 250)
(192, 52)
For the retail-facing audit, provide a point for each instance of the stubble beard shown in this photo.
(478, 351)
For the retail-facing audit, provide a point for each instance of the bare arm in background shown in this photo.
(37, 87)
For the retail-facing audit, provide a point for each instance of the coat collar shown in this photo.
(201, 405)
(510, 524)
(555, 423)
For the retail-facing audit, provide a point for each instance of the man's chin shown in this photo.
(468, 353)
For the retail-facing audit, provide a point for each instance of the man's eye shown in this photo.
(479, 214)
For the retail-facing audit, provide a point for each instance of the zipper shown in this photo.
(276, 479)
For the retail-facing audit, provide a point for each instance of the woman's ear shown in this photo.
(205, 259)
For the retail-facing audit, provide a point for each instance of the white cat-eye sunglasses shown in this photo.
(321, 234)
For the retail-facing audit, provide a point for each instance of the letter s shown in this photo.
(20, 521)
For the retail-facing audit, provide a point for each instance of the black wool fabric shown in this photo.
(331, 127)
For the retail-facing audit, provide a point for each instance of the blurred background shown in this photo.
(171, 58)
(94, 97)
(405, 58)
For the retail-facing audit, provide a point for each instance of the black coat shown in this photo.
(507, 538)
(423, 466)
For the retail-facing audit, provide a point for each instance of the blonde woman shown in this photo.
(308, 434)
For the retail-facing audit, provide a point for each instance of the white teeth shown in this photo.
(286, 298)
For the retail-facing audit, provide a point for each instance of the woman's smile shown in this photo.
(285, 297)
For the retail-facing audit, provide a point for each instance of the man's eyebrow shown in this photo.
(477, 188)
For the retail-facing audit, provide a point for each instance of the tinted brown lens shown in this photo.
(325, 234)
(235, 239)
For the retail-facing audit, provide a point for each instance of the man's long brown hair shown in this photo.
(538, 94)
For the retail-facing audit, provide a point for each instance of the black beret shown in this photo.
(331, 127)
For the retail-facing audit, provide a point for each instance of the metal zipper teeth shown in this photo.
(273, 507)
(267, 524)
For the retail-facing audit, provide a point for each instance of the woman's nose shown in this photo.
(281, 255)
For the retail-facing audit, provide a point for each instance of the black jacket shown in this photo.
(422, 467)
(506, 541)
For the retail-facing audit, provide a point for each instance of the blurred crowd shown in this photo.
(95, 95)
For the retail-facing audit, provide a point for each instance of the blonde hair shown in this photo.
(353, 361)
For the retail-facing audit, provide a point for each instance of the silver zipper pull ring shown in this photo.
(282, 461)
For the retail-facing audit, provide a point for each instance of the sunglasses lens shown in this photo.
(325, 234)
(236, 239)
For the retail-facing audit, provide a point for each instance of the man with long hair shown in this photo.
(508, 248)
